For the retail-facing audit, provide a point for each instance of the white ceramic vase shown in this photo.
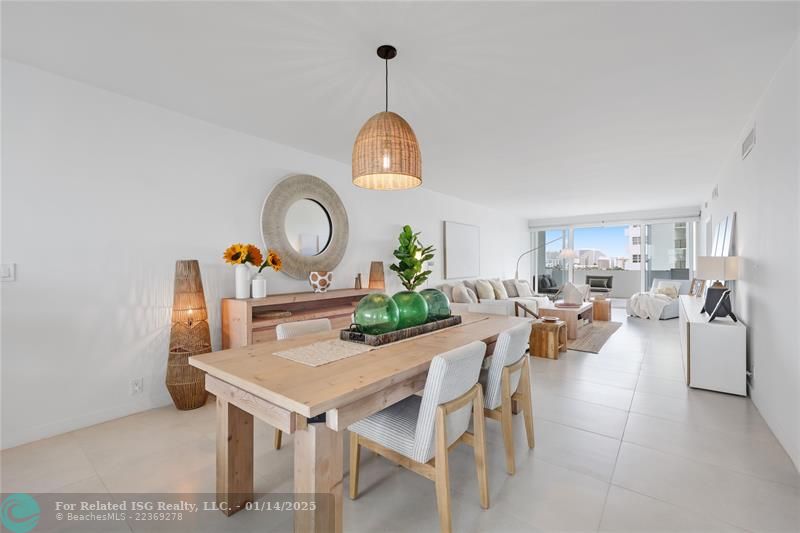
(259, 286)
(242, 275)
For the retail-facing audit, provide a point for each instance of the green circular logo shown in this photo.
(19, 513)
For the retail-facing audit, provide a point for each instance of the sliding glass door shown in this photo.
(669, 251)
(548, 260)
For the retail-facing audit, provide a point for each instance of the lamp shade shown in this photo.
(717, 268)
(189, 301)
(386, 154)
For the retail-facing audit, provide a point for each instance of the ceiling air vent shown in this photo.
(749, 142)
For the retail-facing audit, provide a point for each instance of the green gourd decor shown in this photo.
(438, 304)
(377, 313)
(413, 309)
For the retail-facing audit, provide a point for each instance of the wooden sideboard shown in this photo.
(253, 320)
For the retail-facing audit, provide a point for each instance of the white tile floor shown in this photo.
(622, 445)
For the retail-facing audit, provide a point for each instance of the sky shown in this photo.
(610, 240)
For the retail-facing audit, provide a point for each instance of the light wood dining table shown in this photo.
(252, 381)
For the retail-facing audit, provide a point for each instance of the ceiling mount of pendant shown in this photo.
(387, 52)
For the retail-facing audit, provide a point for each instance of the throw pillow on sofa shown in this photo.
(598, 283)
(523, 289)
(511, 289)
(447, 290)
(500, 292)
(461, 295)
(484, 289)
(544, 282)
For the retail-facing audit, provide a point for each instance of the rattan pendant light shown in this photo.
(386, 153)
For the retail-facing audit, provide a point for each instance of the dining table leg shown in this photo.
(234, 457)
(318, 472)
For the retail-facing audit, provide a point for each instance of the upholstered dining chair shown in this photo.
(418, 432)
(290, 330)
(507, 383)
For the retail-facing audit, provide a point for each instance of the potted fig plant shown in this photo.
(411, 255)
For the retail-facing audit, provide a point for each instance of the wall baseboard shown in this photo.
(89, 419)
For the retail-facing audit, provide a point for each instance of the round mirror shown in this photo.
(308, 227)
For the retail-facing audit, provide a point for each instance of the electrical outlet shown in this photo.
(137, 386)
(8, 272)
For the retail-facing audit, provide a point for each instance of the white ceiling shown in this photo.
(545, 109)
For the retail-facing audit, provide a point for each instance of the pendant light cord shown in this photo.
(387, 83)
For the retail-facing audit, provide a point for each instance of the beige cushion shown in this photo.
(473, 296)
(668, 291)
(470, 284)
(484, 289)
(447, 290)
(523, 289)
(511, 289)
(499, 289)
(461, 295)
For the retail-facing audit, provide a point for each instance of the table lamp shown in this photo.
(188, 336)
(717, 268)
(376, 279)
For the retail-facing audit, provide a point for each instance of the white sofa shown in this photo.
(494, 306)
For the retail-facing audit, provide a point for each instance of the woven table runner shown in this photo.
(324, 352)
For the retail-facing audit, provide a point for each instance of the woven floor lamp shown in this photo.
(189, 336)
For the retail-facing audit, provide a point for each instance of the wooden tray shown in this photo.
(401, 334)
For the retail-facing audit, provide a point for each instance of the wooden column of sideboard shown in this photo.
(253, 320)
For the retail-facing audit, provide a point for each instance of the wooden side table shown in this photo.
(601, 309)
(548, 339)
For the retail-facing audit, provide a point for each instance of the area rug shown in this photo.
(592, 336)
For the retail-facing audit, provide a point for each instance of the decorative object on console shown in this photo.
(718, 303)
(386, 153)
(357, 284)
(697, 286)
(320, 281)
(310, 210)
(189, 335)
(240, 255)
(438, 304)
(376, 313)
(259, 283)
(376, 279)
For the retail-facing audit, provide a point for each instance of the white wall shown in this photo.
(102, 193)
(763, 191)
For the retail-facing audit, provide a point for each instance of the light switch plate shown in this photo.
(8, 272)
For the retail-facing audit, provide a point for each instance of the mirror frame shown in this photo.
(273, 224)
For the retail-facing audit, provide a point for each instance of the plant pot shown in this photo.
(241, 275)
(259, 286)
(413, 309)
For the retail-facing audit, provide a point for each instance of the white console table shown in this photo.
(714, 353)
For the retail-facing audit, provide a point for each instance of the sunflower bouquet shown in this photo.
(239, 254)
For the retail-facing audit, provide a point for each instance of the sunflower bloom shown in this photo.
(236, 254)
(272, 261)
(254, 255)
